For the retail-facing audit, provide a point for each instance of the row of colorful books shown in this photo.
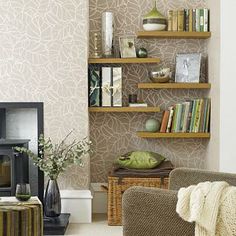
(191, 20)
(191, 116)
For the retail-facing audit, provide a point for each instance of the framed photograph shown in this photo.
(188, 68)
(127, 47)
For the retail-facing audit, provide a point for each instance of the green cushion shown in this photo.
(139, 160)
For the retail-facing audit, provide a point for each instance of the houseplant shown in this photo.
(53, 159)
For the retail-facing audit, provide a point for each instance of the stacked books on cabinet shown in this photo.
(188, 117)
(105, 87)
(189, 20)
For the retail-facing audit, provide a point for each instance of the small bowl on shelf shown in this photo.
(160, 76)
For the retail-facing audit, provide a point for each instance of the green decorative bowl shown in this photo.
(154, 20)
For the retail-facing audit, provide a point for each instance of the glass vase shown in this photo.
(52, 199)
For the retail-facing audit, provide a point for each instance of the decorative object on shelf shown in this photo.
(111, 86)
(127, 47)
(154, 20)
(188, 68)
(161, 75)
(23, 192)
(107, 34)
(53, 159)
(142, 53)
(152, 125)
(117, 87)
(95, 87)
(133, 98)
(106, 86)
(96, 53)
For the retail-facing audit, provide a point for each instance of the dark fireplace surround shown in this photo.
(15, 167)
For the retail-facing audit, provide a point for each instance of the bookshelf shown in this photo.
(124, 60)
(124, 109)
(174, 85)
(174, 35)
(149, 135)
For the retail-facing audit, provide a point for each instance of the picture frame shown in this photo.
(188, 67)
(127, 47)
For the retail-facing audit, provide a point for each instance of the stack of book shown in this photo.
(190, 20)
(138, 104)
(188, 117)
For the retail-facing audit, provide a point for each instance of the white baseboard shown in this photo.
(78, 203)
(99, 198)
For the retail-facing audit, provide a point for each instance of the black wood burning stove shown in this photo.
(14, 167)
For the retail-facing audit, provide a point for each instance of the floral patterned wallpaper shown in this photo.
(115, 134)
(43, 57)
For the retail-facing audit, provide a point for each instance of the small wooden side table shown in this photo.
(21, 218)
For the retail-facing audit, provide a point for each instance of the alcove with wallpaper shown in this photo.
(115, 133)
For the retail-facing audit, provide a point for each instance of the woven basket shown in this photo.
(116, 188)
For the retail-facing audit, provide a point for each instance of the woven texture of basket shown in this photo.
(117, 186)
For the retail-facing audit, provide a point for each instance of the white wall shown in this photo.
(43, 58)
(228, 87)
(213, 152)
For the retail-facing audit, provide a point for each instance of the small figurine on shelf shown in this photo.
(96, 53)
(142, 53)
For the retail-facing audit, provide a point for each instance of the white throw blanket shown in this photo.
(212, 206)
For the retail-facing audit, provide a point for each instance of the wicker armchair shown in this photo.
(151, 212)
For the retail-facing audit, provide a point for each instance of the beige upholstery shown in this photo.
(151, 212)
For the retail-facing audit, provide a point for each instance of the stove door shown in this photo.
(7, 182)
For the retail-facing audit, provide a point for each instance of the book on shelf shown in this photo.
(168, 129)
(192, 116)
(138, 104)
(165, 120)
(181, 16)
(175, 21)
(170, 20)
(189, 20)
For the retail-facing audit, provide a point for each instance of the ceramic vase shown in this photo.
(52, 199)
(154, 20)
(107, 34)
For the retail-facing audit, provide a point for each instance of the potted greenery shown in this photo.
(53, 159)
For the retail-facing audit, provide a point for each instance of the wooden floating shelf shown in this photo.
(123, 60)
(174, 135)
(174, 86)
(174, 35)
(124, 109)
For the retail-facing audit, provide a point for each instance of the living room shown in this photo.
(101, 96)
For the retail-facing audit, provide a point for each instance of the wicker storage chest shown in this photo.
(117, 186)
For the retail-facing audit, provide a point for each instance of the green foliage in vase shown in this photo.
(53, 159)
